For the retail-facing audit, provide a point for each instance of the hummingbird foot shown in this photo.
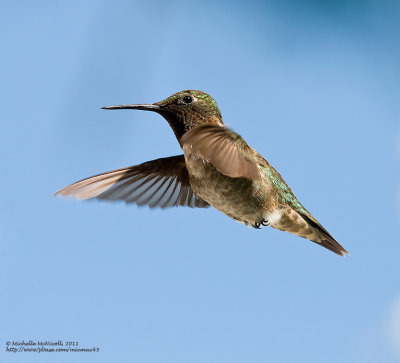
(259, 224)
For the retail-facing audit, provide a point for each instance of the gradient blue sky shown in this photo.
(311, 85)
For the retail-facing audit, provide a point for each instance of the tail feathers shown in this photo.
(307, 226)
(326, 239)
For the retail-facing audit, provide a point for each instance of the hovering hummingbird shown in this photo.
(217, 168)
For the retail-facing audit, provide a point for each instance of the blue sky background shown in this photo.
(312, 85)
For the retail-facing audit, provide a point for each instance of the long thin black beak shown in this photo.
(133, 107)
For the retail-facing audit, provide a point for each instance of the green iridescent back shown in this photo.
(284, 193)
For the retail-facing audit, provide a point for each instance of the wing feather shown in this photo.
(223, 148)
(158, 183)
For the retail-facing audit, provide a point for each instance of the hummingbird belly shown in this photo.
(239, 198)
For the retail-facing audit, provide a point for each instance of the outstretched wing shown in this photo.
(223, 148)
(158, 183)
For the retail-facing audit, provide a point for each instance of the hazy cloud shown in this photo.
(393, 327)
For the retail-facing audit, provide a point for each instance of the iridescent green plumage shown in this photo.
(283, 192)
(208, 106)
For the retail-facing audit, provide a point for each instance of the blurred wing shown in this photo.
(223, 148)
(158, 183)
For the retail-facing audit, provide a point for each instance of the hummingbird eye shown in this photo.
(187, 99)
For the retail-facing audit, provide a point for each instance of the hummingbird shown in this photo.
(218, 168)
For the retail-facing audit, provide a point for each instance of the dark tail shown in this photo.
(327, 240)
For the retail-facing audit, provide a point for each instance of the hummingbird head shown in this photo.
(183, 110)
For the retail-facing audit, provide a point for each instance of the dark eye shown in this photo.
(187, 99)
